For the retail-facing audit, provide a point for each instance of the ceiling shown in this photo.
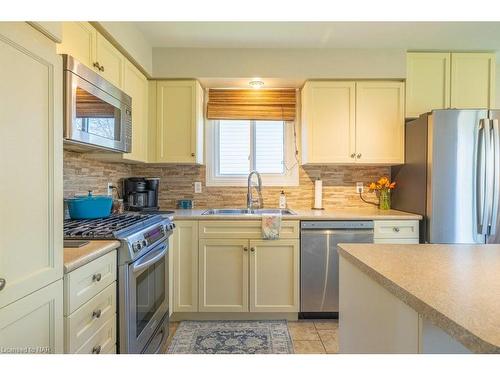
(406, 35)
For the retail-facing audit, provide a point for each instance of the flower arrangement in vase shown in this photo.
(383, 189)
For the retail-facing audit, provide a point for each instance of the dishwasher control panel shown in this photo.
(345, 224)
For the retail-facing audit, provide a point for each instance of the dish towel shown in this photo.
(271, 226)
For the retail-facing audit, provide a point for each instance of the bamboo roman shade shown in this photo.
(228, 104)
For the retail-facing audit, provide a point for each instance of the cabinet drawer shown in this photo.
(102, 341)
(396, 229)
(251, 229)
(87, 281)
(87, 320)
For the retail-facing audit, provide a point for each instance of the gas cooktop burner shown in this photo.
(104, 228)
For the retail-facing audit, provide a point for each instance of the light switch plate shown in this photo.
(197, 187)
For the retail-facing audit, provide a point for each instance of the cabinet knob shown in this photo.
(96, 277)
(245, 248)
(252, 249)
(353, 155)
(101, 68)
(96, 349)
(395, 229)
(96, 65)
(192, 154)
(97, 314)
(358, 156)
(2, 283)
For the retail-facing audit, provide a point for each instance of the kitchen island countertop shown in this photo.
(455, 287)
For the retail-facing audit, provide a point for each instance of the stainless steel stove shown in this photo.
(142, 274)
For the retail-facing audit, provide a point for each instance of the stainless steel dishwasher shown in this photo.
(319, 262)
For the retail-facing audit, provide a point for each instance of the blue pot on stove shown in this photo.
(89, 206)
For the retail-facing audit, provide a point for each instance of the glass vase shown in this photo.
(384, 200)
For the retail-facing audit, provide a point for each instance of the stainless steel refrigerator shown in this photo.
(451, 175)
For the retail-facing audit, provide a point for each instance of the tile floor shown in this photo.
(308, 336)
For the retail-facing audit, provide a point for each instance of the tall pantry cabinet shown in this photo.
(31, 197)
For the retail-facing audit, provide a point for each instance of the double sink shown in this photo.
(248, 211)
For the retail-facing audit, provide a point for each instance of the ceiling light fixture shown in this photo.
(256, 84)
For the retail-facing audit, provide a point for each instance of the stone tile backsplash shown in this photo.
(177, 182)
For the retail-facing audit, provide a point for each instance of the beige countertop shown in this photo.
(75, 257)
(456, 287)
(339, 214)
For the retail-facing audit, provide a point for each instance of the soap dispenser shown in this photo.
(282, 201)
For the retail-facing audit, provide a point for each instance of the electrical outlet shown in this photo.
(110, 188)
(197, 187)
(359, 187)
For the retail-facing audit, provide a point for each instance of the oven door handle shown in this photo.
(150, 258)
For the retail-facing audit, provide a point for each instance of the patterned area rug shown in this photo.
(232, 337)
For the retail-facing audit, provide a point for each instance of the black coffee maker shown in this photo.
(141, 193)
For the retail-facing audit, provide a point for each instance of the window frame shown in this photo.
(290, 177)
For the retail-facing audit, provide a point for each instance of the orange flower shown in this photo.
(392, 185)
(372, 186)
(383, 181)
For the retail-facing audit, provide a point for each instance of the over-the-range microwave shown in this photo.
(97, 114)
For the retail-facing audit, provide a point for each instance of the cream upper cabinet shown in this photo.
(328, 122)
(352, 122)
(79, 41)
(380, 122)
(428, 82)
(31, 196)
(179, 120)
(111, 61)
(185, 269)
(34, 323)
(274, 276)
(136, 85)
(472, 80)
(223, 272)
(440, 80)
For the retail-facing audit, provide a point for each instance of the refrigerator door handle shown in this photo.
(480, 176)
(489, 175)
(496, 176)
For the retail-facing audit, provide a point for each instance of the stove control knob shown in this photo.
(138, 246)
(144, 243)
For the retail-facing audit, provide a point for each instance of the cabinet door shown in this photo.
(223, 274)
(328, 126)
(179, 122)
(111, 61)
(185, 259)
(472, 80)
(34, 323)
(79, 41)
(31, 197)
(380, 122)
(135, 84)
(274, 276)
(427, 82)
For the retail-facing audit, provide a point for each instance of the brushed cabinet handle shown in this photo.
(97, 314)
(2, 283)
(96, 349)
(252, 249)
(96, 277)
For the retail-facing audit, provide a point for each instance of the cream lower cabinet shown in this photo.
(90, 307)
(396, 231)
(274, 276)
(34, 324)
(348, 122)
(184, 252)
(223, 285)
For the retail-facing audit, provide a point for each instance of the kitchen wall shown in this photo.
(177, 182)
